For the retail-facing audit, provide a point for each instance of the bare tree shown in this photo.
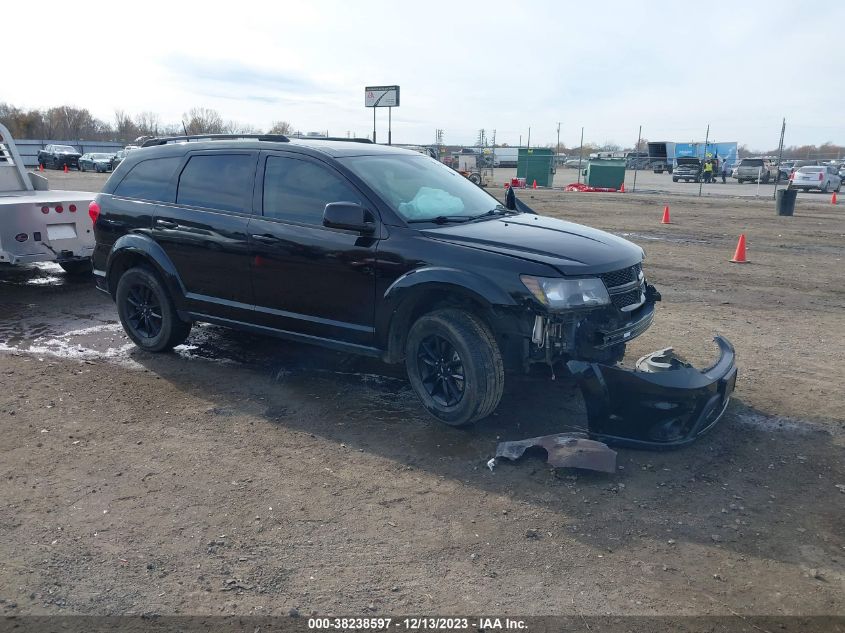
(281, 127)
(203, 121)
(124, 126)
(147, 124)
(234, 127)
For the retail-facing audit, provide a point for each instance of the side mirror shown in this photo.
(350, 216)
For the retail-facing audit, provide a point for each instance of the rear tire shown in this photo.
(146, 311)
(77, 267)
(454, 366)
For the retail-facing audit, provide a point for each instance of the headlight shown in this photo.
(557, 293)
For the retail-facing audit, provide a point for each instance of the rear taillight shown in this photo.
(72, 208)
(59, 208)
(94, 211)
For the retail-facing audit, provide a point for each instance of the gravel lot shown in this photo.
(248, 475)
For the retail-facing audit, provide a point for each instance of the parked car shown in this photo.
(689, 169)
(786, 168)
(362, 248)
(823, 178)
(842, 172)
(752, 169)
(96, 161)
(58, 156)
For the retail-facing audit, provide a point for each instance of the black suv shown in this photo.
(362, 248)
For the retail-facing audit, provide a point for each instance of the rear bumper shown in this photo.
(656, 410)
(60, 256)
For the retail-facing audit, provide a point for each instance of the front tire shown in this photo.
(454, 366)
(81, 167)
(146, 311)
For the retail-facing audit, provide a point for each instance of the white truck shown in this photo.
(39, 225)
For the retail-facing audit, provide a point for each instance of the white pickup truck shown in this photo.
(39, 225)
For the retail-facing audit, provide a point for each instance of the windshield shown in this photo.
(811, 170)
(101, 156)
(752, 162)
(420, 188)
(64, 148)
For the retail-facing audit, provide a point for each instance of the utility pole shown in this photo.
(529, 138)
(780, 156)
(557, 151)
(493, 157)
(706, 141)
(580, 154)
(438, 139)
(637, 157)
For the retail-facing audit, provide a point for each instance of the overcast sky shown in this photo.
(672, 67)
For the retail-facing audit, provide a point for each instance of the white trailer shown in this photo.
(38, 225)
(505, 156)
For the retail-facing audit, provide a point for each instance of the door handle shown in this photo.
(167, 224)
(265, 238)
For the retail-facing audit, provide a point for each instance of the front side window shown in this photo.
(420, 188)
(148, 179)
(298, 190)
(218, 181)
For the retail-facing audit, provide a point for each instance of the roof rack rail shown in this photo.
(164, 140)
(346, 139)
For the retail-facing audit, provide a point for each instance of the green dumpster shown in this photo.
(606, 172)
(536, 163)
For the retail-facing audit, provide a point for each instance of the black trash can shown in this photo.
(785, 201)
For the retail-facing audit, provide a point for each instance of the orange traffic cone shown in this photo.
(507, 185)
(665, 219)
(833, 198)
(739, 255)
(40, 166)
(65, 168)
(534, 186)
(622, 188)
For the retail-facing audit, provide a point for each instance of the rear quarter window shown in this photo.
(148, 180)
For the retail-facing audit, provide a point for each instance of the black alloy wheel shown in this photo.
(454, 365)
(441, 370)
(147, 312)
(144, 315)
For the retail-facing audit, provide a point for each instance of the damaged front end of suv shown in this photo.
(581, 327)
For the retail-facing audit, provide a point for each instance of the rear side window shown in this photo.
(148, 179)
(299, 190)
(219, 181)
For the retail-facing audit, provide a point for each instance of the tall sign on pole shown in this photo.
(382, 97)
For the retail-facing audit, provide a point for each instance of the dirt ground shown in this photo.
(253, 476)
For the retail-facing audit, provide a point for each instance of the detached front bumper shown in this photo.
(664, 403)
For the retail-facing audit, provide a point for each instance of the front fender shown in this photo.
(434, 283)
(128, 248)
(490, 293)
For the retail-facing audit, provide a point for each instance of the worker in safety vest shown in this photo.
(708, 170)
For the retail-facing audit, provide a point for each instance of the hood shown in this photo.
(573, 249)
(689, 162)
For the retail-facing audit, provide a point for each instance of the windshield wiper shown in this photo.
(442, 219)
(499, 210)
